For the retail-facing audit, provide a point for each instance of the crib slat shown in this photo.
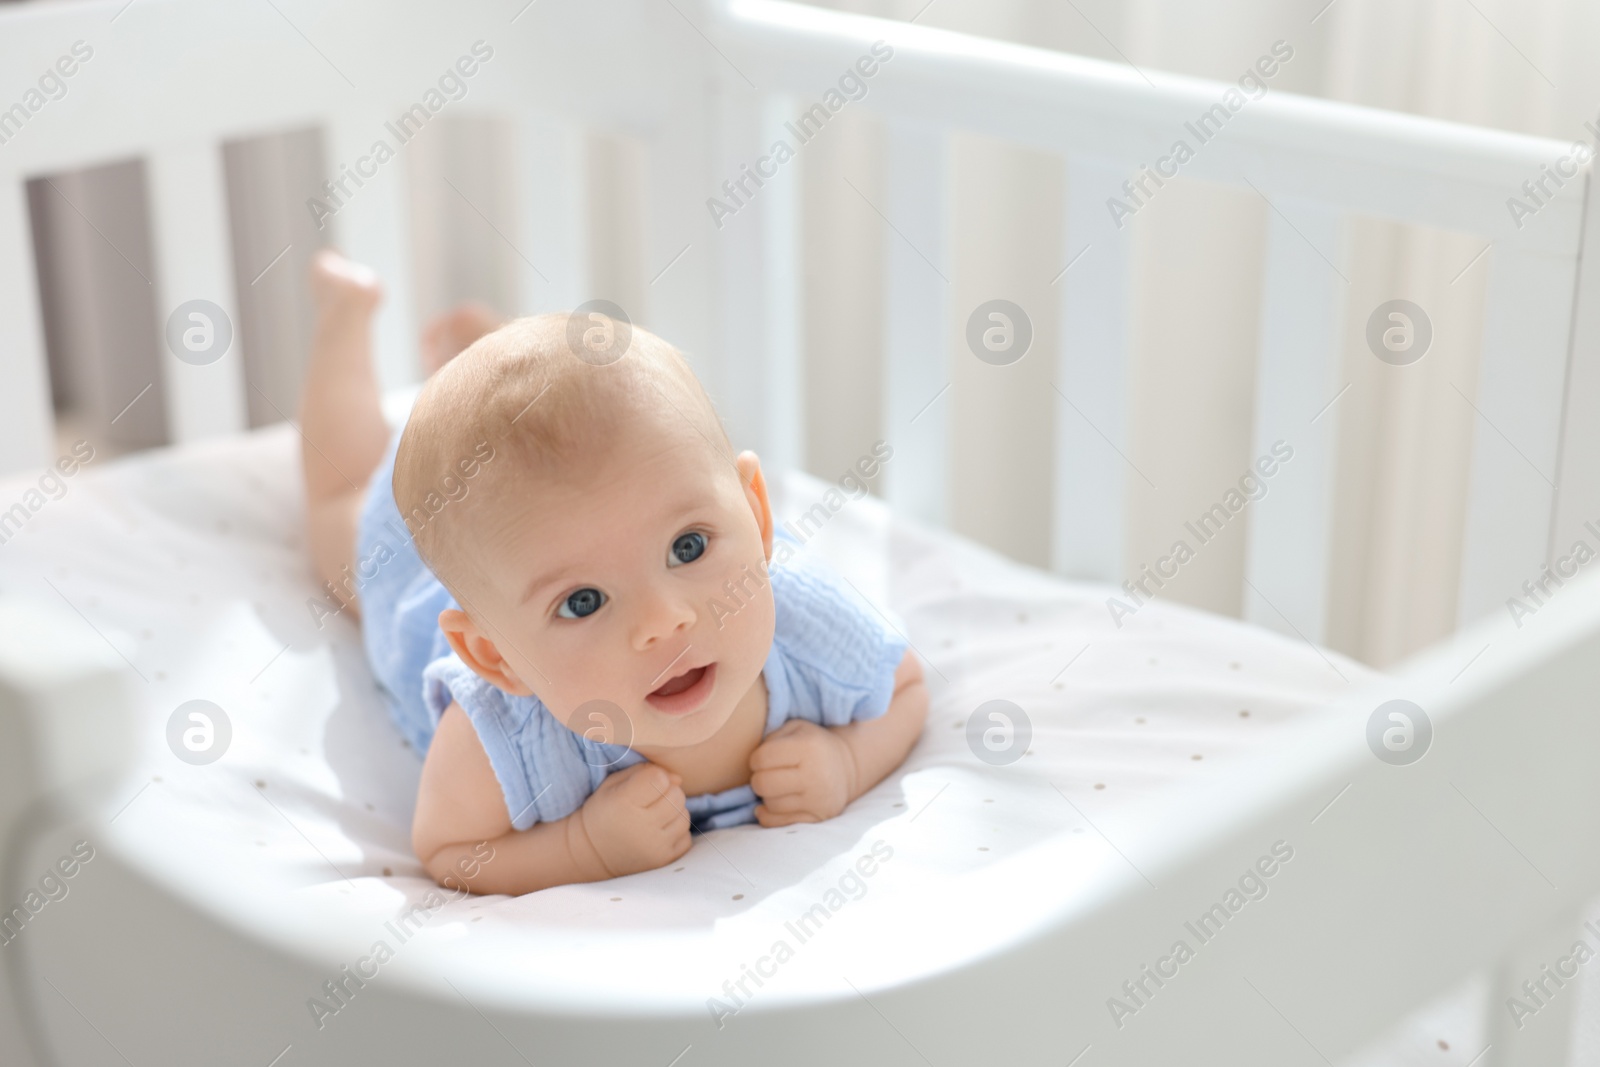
(681, 248)
(25, 416)
(1578, 497)
(783, 386)
(372, 225)
(194, 261)
(1516, 438)
(757, 252)
(1297, 379)
(551, 188)
(917, 342)
(1092, 379)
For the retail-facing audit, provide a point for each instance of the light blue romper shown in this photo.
(832, 662)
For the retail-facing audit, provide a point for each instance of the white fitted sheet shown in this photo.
(191, 563)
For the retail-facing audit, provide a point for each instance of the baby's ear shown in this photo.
(755, 491)
(479, 652)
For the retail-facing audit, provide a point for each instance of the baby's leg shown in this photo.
(341, 422)
(341, 419)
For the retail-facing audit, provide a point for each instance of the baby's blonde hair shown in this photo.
(521, 402)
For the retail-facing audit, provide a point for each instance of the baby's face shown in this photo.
(642, 587)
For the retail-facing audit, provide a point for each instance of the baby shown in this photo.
(564, 591)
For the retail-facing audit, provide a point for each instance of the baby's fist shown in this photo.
(637, 819)
(803, 772)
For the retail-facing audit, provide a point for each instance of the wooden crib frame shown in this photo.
(169, 80)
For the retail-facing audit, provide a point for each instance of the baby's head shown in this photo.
(592, 520)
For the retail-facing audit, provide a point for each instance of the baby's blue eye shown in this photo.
(687, 548)
(583, 602)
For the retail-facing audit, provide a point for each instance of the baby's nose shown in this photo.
(662, 618)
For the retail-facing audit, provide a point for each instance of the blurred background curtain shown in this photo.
(1522, 65)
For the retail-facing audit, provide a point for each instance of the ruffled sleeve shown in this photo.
(545, 770)
(834, 656)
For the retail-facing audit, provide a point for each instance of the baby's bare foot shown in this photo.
(339, 284)
(446, 335)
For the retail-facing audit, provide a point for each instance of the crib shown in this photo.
(1406, 881)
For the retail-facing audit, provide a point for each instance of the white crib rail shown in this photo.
(172, 79)
(1317, 162)
(731, 298)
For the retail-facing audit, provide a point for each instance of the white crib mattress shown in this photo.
(191, 562)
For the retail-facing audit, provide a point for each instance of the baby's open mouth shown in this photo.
(684, 692)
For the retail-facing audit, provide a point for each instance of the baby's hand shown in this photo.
(803, 772)
(637, 820)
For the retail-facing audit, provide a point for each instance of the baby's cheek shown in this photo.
(601, 721)
(578, 686)
(756, 640)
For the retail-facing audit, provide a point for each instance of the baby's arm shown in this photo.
(807, 773)
(880, 745)
(635, 821)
